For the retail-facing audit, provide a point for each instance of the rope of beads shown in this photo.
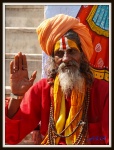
(83, 124)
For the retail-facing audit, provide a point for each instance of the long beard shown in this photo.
(70, 77)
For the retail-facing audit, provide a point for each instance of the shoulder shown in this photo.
(100, 90)
(100, 84)
(41, 84)
(38, 88)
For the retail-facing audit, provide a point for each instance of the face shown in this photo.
(66, 50)
(67, 64)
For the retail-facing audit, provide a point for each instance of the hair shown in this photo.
(51, 68)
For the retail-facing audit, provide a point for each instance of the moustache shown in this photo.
(70, 64)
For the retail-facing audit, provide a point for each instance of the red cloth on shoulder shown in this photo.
(35, 107)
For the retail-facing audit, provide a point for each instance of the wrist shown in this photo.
(16, 96)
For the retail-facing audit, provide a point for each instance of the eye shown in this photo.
(71, 51)
(60, 54)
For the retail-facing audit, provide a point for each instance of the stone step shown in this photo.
(22, 39)
(24, 15)
(34, 63)
(21, 22)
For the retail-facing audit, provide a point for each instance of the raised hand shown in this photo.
(19, 80)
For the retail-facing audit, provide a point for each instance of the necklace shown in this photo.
(83, 124)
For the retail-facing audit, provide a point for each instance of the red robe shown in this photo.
(35, 107)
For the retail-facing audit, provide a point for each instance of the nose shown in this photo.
(66, 58)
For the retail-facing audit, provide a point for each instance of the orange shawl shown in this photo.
(77, 99)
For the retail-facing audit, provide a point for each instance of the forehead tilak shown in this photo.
(64, 43)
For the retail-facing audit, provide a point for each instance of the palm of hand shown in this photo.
(19, 80)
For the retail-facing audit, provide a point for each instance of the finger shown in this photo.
(11, 67)
(33, 76)
(20, 60)
(16, 63)
(24, 67)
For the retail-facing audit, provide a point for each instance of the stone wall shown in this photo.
(21, 22)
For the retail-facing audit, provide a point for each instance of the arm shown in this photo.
(13, 107)
(26, 118)
(19, 82)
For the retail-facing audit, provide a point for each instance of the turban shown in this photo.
(52, 29)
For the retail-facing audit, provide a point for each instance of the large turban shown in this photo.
(52, 29)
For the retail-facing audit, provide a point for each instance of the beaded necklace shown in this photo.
(83, 124)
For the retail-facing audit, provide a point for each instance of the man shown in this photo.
(71, 105)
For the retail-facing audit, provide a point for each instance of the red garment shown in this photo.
(35, 106)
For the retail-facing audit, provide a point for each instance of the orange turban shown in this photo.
(52, 29)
